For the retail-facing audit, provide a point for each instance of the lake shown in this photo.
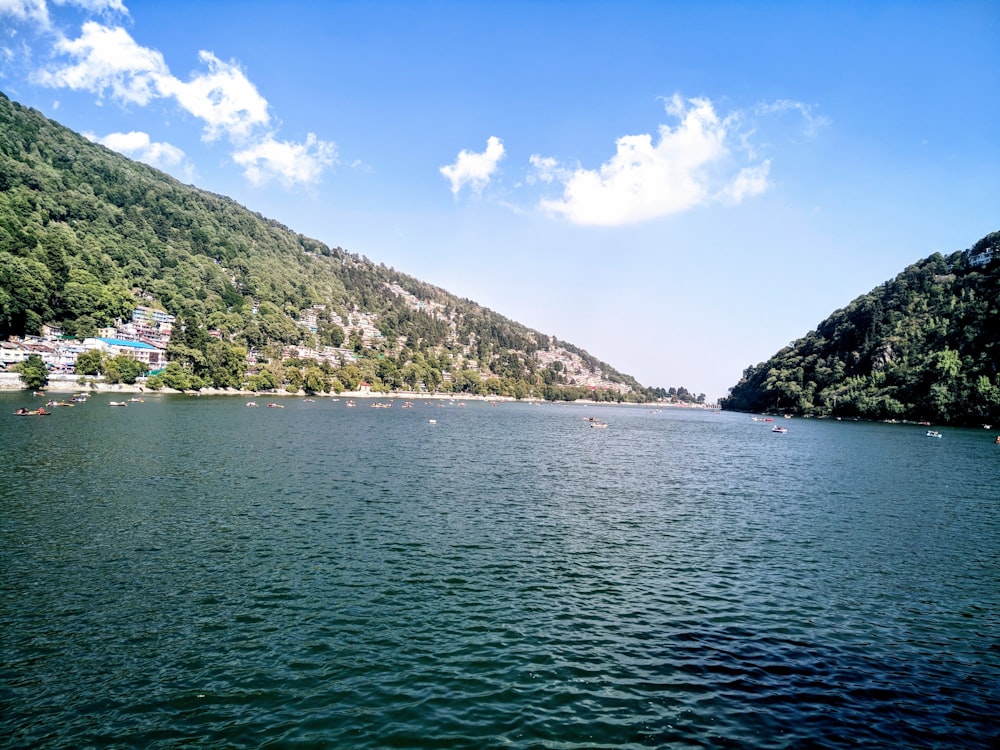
(190, 571)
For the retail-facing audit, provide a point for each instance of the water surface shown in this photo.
(193, 571)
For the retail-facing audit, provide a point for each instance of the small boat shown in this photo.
(40, 412)
(432, 421)
(251, 403)
(117, 403)
(275, 406)
(349, 403)
(136, 401)
(599, 425)
(933, 433)
(779, 430)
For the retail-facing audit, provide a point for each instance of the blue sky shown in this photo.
(681, 188)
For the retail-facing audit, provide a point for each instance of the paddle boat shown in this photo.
(39, 412)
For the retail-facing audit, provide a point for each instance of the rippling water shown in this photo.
(191, 571)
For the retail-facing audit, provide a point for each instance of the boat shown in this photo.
(40, 412)
(933, 433)
(273, 405)
(251, 403)
(136, 401)
(599, 425)
(117, 403)
(432, 421)
(350, 403)
(779, 430)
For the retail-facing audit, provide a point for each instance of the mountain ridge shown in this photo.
(924, 346)
(87, 234)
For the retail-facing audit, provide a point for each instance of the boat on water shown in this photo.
(136, 401)
(251, 403)
(40, 412)
(349, 403)
(273, 405)
(779, 430)
(117, 403)
(599, 425)
(933, 433)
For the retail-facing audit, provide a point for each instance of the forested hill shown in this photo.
(924, 346)
(86, 235)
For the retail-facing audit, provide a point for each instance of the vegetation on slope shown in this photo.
(86, 235)
(924, 346)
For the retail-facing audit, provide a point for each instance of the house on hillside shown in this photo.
(140, 350)
(982, 258)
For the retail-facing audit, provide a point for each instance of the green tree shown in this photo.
(174, 376)
(316, 381)
(34, 373)
(124, 369)
(90, 362)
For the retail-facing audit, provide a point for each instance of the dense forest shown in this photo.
(87, 234)
(924, 346)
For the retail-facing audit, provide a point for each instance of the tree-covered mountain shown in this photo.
(86, 235)
(924, 346)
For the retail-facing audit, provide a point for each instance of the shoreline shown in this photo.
(11, 382)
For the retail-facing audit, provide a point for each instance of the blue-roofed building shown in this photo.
(140, 350)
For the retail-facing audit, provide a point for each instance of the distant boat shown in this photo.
(136, 401)
(599, 425)
(275, 406)
(117, 403)
(32, 413)
(933, 433)
(251, 403)
(781, 430)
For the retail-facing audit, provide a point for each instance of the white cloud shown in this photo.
(687, 166)
(224, 98)
(108, 58)
(547, 170)
(750, 181)
(141, 147)
(96, 6)
(290, 163)
(813, 122)
(32, 11)
(472, 169)
(108, 61)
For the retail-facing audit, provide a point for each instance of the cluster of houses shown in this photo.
(143, 338)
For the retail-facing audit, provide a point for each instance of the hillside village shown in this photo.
(145, 338)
